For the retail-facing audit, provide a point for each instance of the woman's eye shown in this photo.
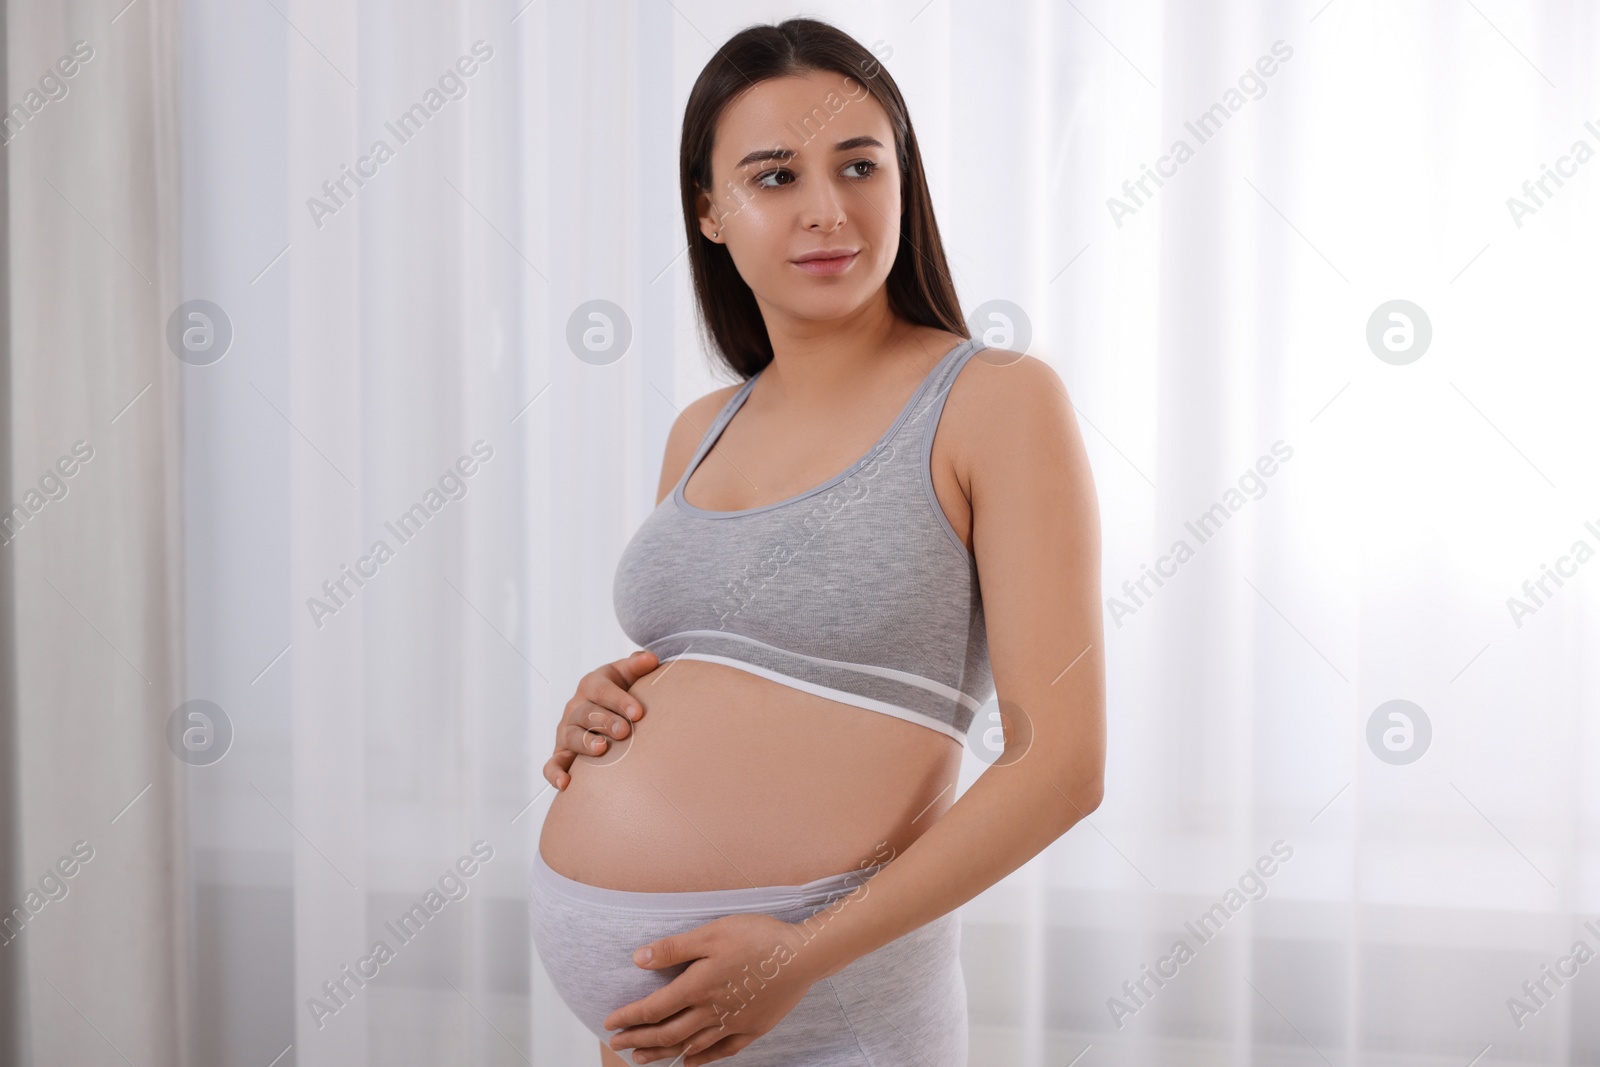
(768, 179)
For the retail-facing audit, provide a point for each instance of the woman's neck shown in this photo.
(815, 362)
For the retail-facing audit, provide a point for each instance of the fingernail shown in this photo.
(643, 955)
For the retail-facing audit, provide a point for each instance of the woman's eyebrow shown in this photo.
(762, 155)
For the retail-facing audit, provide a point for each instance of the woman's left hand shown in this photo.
(745, 973)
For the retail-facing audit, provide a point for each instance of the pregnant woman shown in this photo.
(764, 861)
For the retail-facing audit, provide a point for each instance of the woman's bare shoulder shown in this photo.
(1001, 400)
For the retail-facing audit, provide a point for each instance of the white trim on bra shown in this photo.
(905, 677)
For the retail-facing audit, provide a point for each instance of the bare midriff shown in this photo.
(730, 780)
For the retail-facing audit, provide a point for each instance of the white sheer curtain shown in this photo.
(383, 331)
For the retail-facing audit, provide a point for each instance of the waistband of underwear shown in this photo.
(711, 903)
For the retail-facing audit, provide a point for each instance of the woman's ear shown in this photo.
(709, 224)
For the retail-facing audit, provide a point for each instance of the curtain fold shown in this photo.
(14, 1030)
(97, 903)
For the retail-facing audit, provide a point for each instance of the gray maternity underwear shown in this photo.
(905, 1003)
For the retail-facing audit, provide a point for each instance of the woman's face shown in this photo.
(801, 165)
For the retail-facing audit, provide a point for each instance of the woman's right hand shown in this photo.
(601, 708)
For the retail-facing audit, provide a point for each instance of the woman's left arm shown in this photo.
(1036, 536)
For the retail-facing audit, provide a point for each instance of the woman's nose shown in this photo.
(823, 211)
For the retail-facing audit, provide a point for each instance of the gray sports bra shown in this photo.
(857, 590)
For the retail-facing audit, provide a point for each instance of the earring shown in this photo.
(716, 233)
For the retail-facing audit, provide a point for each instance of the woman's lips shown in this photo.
(837, 265)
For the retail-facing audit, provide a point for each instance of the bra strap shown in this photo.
(714, 431)
(932, 395)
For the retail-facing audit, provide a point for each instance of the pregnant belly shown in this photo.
(731, 780)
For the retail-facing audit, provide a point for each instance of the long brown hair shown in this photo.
(919, 285)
